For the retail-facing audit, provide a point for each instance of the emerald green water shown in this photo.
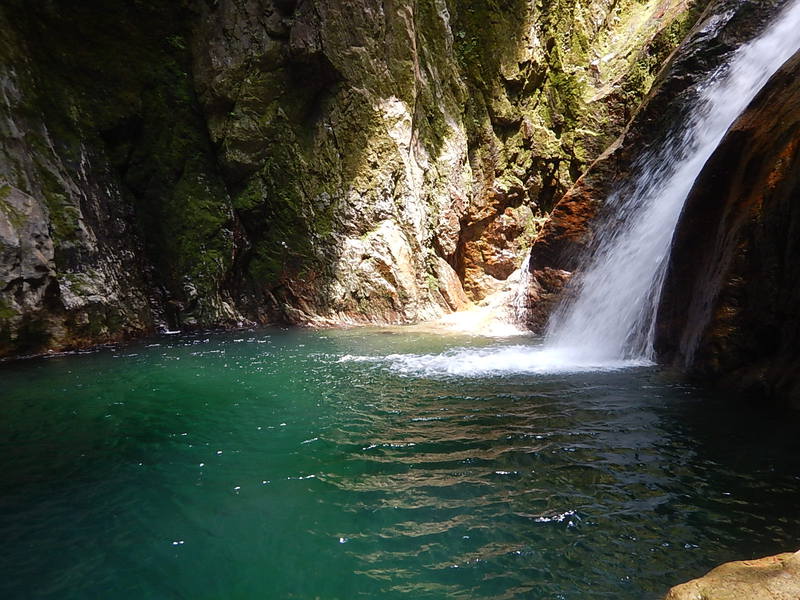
(368, 464)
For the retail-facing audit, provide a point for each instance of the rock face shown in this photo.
(770, 578)
(550, 85)
(179, 164)
(731, 304)
(567, 235)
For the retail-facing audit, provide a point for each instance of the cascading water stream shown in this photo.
(519, 300)
(612, 312)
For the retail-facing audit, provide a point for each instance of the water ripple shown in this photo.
(185, 472)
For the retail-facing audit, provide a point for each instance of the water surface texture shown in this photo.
(368, 464)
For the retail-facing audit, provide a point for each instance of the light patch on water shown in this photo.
(494, 361)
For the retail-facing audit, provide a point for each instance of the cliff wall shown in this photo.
(191, 164)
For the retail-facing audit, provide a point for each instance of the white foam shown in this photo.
(494, 361)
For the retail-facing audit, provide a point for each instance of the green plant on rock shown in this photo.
(64, 214)
(6, 312)
(14, 215)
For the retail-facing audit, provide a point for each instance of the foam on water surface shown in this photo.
(493, 361)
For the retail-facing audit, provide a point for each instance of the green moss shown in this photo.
(15, 217)
(431, 282)
(565, 92)
(6, 312)
(438, 97)
(115, 75)
(467, 50)
(275, 211)
(576, 88)
(78, 283)
(32, 335)
(64, 215)
(509, 86)
(487, 34)
(670, 36)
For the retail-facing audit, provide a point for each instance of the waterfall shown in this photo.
(611, 314)
(519, 301)
(607, 323)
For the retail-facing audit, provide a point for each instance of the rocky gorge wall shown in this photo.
(182, 164)
(566, 238)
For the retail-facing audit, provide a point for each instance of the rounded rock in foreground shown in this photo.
(771, 578)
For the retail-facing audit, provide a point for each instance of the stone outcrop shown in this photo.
(731, 304)
(213, 163)
(770, 578)
(567, 235)
(542, 104)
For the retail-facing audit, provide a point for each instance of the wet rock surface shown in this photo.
(730, 306)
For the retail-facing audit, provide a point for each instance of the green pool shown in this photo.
(375, 464)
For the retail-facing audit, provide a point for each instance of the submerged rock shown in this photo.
(770, 578)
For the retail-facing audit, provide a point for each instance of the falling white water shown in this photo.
(615, 299)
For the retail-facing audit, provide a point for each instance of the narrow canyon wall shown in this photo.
(731, 304)
(191, 164)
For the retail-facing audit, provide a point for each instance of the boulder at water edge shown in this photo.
(770, 578)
